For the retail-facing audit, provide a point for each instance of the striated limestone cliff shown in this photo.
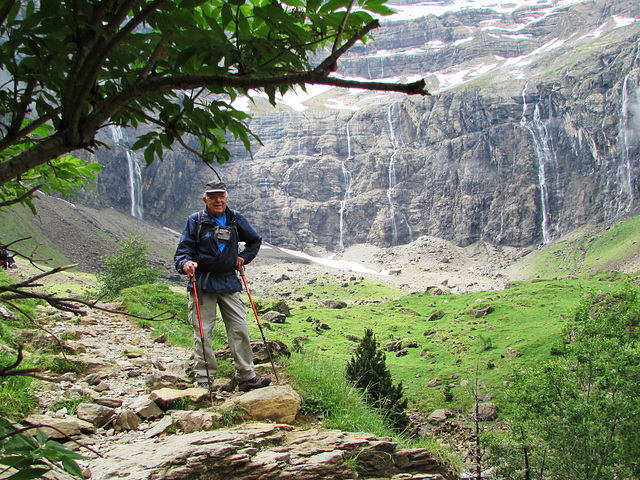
(532, 130)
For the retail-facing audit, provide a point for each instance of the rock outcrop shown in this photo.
(268, 451)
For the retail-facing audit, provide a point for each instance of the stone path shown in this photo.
(140, 417)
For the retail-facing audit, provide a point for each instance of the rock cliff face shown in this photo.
(532, 130)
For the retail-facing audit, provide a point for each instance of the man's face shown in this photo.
(216, 203)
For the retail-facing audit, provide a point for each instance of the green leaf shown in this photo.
(29, 473)
(227, 15)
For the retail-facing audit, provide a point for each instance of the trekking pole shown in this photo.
(255, 312)
(204, 352)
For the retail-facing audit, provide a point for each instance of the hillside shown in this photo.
(68, 233)
(452, 339)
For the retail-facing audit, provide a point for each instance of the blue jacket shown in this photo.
(216, 272)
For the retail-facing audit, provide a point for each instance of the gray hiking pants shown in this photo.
(234, 316)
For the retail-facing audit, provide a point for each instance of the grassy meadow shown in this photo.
(455, 341)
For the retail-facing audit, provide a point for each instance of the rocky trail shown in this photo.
(140, 418)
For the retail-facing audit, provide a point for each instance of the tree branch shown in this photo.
(26, 131)
(159, 53)
(100, 51)
(19, 199)
(328, 63)
(58, 341)
(4, 11)
(342, 26)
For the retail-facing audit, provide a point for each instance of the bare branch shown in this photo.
(342, 26)
(58, 341)
(66, 304)
(328, 64)
(159, 53)
(28, 282)
(13, 371)
(7, 245)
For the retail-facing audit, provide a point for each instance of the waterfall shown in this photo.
(116, 133)
(346, 174)
(523, 119)
(343, 204)
(392, 177)
(546, 160)
(625, 179)
(135, 185)
(135, 173)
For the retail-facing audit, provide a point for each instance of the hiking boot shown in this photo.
(255, 382)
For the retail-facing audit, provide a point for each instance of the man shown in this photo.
(208, 251)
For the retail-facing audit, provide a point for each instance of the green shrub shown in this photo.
(127, 268)
(367, 370)
(577, 415)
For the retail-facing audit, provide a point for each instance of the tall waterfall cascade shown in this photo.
(348, 182)
(546, 161)
(134, 175)
(625, 196)
(392, 176)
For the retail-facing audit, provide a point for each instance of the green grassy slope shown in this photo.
(521, 329)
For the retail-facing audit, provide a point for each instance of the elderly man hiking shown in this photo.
(208, 254)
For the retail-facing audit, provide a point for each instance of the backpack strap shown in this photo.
(199, 226)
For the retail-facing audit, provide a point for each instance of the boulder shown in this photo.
(97, 415)
(110, 402)
(274, 317)
(434, 382)
(146, 408)
(159, 428)
(279, 403)
(439, 416)
(336, 304)
(165, 396)
(197, 420)
(60, 427)
(487, 412)
(126, 420)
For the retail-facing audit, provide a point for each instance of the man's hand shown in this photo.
(239, 263)
(189, 268)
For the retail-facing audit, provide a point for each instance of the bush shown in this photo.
(577, 415)
(367, 370)
(127, 268)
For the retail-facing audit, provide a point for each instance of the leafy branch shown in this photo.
(94, 79)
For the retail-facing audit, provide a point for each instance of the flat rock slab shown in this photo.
(272, 451)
